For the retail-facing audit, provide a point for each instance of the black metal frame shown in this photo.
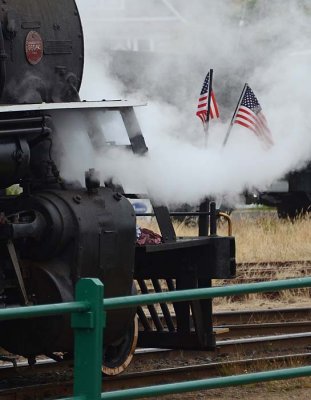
(182, 263)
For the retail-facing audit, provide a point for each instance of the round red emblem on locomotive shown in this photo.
(33, 47)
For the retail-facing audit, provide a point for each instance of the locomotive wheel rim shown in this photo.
(111, 371)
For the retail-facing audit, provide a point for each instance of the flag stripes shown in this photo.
(202, 108)
(249, 115)
(214, 107)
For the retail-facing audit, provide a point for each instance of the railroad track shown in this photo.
(284, 320)
(202, 371)
(273, 269)
(252, 272)
(253, 334)
(266, 271)
(251, 331)
(261, 278)
(262, 315)
(226, 347)
(42, 388)
(269, 264)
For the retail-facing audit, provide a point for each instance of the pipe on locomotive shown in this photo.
(3, 57)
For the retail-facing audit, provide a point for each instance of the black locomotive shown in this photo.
(55, 231)
(295, 200)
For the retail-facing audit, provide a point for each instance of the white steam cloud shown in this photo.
(265, 43)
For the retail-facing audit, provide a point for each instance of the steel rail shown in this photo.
(271, 342)
(267, 315)
(278, 263)
(258, 344)
(255, 279)
(263, 329)
(258, 321)
(40, 390)
(201, 371)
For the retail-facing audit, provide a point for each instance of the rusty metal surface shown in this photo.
(261, 316)
(273, 328)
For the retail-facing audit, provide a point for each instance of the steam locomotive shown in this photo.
(56, 232)
(293, 198)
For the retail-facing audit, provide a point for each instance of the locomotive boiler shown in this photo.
(57, 231)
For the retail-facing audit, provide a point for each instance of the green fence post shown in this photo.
(88, 330)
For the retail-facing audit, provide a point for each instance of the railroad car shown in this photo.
(58, 231)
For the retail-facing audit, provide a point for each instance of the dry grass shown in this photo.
(264, 365)
(261, 239)
(271, 239)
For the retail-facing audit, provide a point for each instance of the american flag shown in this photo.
(249, 114)
(203, 102)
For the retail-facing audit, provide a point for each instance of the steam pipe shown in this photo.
(3, 57)
(25, 131)
(23, 121)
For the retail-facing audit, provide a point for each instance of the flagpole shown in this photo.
(206, 124)
(205, 205)
(234, 115)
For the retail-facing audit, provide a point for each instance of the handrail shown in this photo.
(190, 386)
(44, 310)
(208, 293)
(88, 321)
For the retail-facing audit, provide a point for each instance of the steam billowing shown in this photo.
(263, 43)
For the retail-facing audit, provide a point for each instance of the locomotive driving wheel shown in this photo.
(117, 357)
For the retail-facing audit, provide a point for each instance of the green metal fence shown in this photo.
(88, 321)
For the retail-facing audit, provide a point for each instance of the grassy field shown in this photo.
(271, 239)
(265, 238)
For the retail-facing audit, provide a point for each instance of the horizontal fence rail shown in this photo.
(208, 293)
(88, 320)
(44, 310)
(191, 386)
